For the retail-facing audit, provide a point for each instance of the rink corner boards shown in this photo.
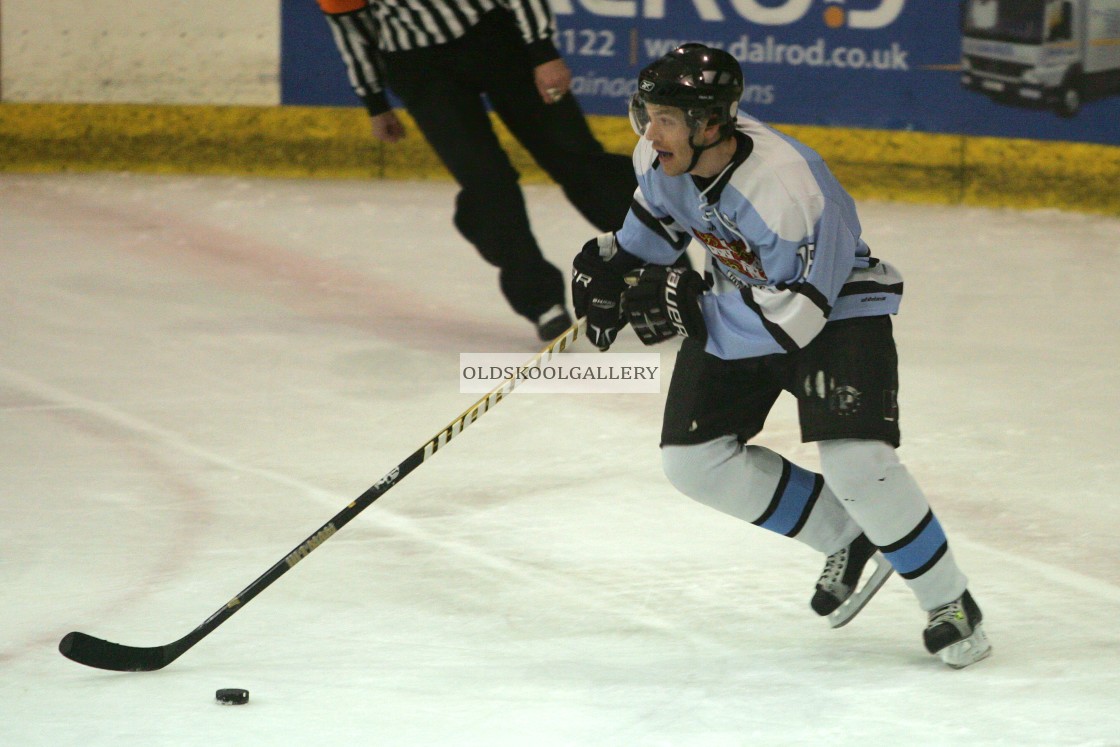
(335, 142)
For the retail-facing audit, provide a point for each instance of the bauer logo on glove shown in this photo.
(663, 302)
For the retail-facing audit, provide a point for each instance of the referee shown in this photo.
(440, 57)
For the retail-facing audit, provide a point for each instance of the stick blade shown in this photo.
(102, 654)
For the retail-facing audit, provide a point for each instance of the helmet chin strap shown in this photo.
(698, 150)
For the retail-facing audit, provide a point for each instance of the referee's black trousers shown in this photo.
(442, 88)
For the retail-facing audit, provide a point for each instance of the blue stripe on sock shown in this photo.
(918, 551)
(791, 504)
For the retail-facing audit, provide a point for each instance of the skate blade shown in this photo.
(969, 651)
(859, 599)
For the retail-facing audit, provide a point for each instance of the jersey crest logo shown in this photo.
(736, 254)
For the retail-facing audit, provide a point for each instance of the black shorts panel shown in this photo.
(710, 397)
(845, 382)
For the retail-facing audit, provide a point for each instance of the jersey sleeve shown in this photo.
(355, 30)
(537, 25)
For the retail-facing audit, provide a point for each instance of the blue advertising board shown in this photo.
(1036, 69)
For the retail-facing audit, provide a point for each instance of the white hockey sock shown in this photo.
(755, 484)
(879, 493)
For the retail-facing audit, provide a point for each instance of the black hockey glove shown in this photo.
(597, 294)
(663, 302)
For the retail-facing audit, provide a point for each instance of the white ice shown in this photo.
(196, 373)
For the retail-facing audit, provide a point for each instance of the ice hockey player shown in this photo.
(793, 300)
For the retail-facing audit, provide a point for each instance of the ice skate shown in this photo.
(553, 323)
(838, 594)
(955, 633)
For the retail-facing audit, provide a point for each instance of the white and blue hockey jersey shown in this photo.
(784, 253)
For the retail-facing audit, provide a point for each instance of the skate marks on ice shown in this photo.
(171, 423)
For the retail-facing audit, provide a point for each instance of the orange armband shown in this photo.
(335, 7)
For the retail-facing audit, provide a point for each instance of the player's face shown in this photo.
(671, 136)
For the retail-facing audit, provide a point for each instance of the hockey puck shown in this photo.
(232, 696)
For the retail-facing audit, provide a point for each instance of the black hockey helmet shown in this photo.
(706, 83)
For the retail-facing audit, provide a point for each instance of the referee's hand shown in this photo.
(553, 79)
(386, 127)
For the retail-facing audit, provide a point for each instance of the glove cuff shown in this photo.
(605, 249)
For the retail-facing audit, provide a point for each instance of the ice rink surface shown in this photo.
(196, 373)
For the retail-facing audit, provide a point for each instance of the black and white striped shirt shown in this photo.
(364, 30)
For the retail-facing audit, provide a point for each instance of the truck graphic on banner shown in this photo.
(1054, 53)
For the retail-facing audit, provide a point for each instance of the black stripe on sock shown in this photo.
(932, 562)
(896, 546)
(818, 486)
(778, 493)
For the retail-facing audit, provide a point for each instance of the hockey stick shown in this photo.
(102, 654)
